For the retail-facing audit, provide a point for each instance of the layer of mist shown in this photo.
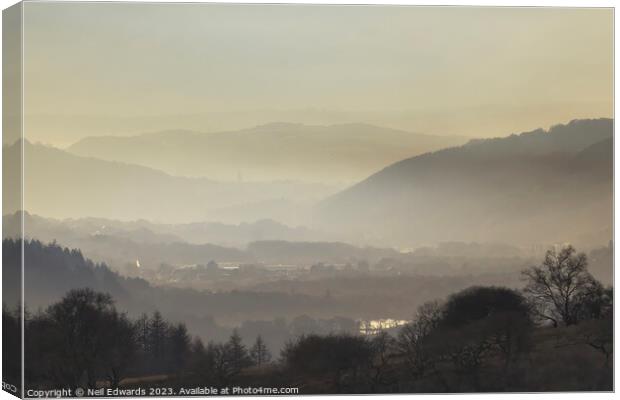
(276, 151)
(537, 187)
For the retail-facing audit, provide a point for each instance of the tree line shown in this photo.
(84, 341)
(478, 339)
(482, 339)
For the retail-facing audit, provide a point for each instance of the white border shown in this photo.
(544, 3)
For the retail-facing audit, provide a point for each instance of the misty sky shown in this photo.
(105, 68)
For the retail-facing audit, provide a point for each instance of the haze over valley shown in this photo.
(551, 179)
(278, 151)
(366, 202)
(438, 214)
(558, 181)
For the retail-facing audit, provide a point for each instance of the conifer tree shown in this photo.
(260, 353)
(237, 353)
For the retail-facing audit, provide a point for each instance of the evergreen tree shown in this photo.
(236, 353)
(142, 333)
(260, 353)
(158, 334)
(180, 346)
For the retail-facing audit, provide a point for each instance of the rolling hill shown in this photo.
(312, 153)
(537, 187)
(59, 184)
(120, 244)
(69, 231)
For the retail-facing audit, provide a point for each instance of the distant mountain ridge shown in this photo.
(334, 153)
(120, 244)
(537, 187)
(59, 184)
(569, 138)
(485, 190)
(53, 270)
(143, 231)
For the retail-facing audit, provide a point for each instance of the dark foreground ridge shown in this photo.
(555, 335)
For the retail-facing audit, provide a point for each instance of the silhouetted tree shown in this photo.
(595, 331)
(218, 360)
(480, 302)
(142, 333)
(330, 356)
(199, 362)
(558, 287)
(595, 303)
(413, 339)
(259, 352)
(180, 347)
(382, 347)
(506, 316)
(476, 324)
(89, 338)
(236, 353)
(120, 348)
(157, 339)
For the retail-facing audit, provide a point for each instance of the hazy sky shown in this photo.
(106, 68)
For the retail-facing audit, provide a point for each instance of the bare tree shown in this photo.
(218, 363)
(121, 347)
(88, 338)
(596, 333)
(333, 357)
(413, 338)
(382, 348)
(556, 287)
